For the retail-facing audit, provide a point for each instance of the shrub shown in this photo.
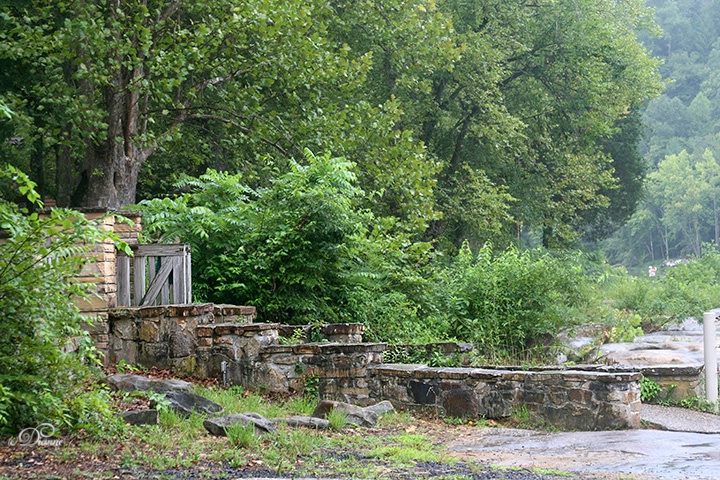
(686, 290)
(40, 379)
(512, 301)
(690, 289)
(283, 248)
(649, 390)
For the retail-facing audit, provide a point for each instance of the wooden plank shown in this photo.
(178, 280)
(138, 279)
(188, 277)
(159, 281)
(123, 279)
(151, 270)
(165, 291)
(157, 250)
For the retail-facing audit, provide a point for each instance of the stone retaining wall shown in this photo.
(566, 399)
(166, 336)
(677, 382)
(253, 357)
(207, 340)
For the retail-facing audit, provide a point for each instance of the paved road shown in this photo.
(643, 454)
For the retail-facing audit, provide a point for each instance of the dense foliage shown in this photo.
(301, 252)
(41, 379)
(282, 247)
(512, 302)
(490, 120)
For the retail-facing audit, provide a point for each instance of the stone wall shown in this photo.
(254, 357)
(102, 273)
(221, 341)
(166, 336)
(677, 382)
(566, 399)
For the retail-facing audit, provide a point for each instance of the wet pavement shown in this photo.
(641, 454)
(682, 444)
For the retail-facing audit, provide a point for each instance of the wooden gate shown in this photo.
(155, 275)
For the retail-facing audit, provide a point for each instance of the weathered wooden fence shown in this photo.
(155, 275)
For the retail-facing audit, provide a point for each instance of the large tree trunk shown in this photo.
(114, 163)
(113, 176)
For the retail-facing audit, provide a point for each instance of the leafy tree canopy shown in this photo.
(479, 120)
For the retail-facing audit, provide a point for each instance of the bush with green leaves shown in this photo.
(687, 290)
(41, 378)
(692, 288)
(283, 248)
(513, 301)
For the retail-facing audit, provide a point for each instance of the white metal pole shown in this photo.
(710, 349)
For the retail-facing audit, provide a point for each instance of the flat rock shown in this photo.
(140, 417)
(217, 425)
(355, 415)
(381, 408)
(303, 421)
(652, 357)
(131, 383)
(184, 403)
(680, 344)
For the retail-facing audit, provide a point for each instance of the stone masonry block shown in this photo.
(203, 331)
(149, 331)
(461, 403)
(124, 329)
(155, 311)
(342, 372)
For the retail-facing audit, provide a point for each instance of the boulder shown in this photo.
(355, 415)
(184, 403)
(216, 426)
(140, 417)
(381, 408)
(302, 421)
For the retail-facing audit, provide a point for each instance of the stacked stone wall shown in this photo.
(102, 273)
(253, 356)
(677, 382)
(221, 341)
(166, 336)
(567, 399)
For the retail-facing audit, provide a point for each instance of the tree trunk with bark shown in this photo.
(113, 164)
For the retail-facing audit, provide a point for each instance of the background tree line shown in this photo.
(679, 211)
